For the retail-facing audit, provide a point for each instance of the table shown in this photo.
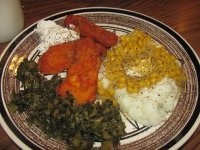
(181, 15)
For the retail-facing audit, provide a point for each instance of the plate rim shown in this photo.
(196, 123)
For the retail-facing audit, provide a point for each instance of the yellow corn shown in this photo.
(133, 48)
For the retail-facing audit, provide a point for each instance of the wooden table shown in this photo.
(181, 15)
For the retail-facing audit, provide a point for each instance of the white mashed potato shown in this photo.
(50, 34)
(150, 106)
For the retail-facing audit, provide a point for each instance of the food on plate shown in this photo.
(82, 58)
(149, 106)
(142, 77)
(136, 76)
(60, 118)
(89, 29)
(51, 33)
(81, 81)
(57, 59)
(87, 48)
(65, 108)
(61, 56)
(82, 76)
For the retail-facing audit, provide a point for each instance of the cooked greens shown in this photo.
(60, 118)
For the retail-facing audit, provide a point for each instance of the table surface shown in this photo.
(181, 15)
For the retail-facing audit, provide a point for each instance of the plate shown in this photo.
(172, 133)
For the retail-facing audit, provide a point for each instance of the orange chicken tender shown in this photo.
(83, 61)
(86, 48)
(57, 59)
(60, 57)
(89, 29)
(81, 81)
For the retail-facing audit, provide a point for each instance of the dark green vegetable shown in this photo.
(27, 73)
(79, 126)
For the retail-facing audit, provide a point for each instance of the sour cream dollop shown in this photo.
(51, 33)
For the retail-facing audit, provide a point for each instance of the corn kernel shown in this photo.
(120, 85)
(101, 91)
(130, 90)
(133, 48)
(111, 91)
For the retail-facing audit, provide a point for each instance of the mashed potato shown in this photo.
(150, 106)
(50, 34)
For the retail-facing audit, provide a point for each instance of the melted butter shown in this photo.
(139, 68)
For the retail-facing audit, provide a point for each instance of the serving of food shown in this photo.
(88, 81)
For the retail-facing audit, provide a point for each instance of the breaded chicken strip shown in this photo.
(81, 81)
(82, 60)
(86, 48)
(60, 57)
(89, 29)
(57, 59)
